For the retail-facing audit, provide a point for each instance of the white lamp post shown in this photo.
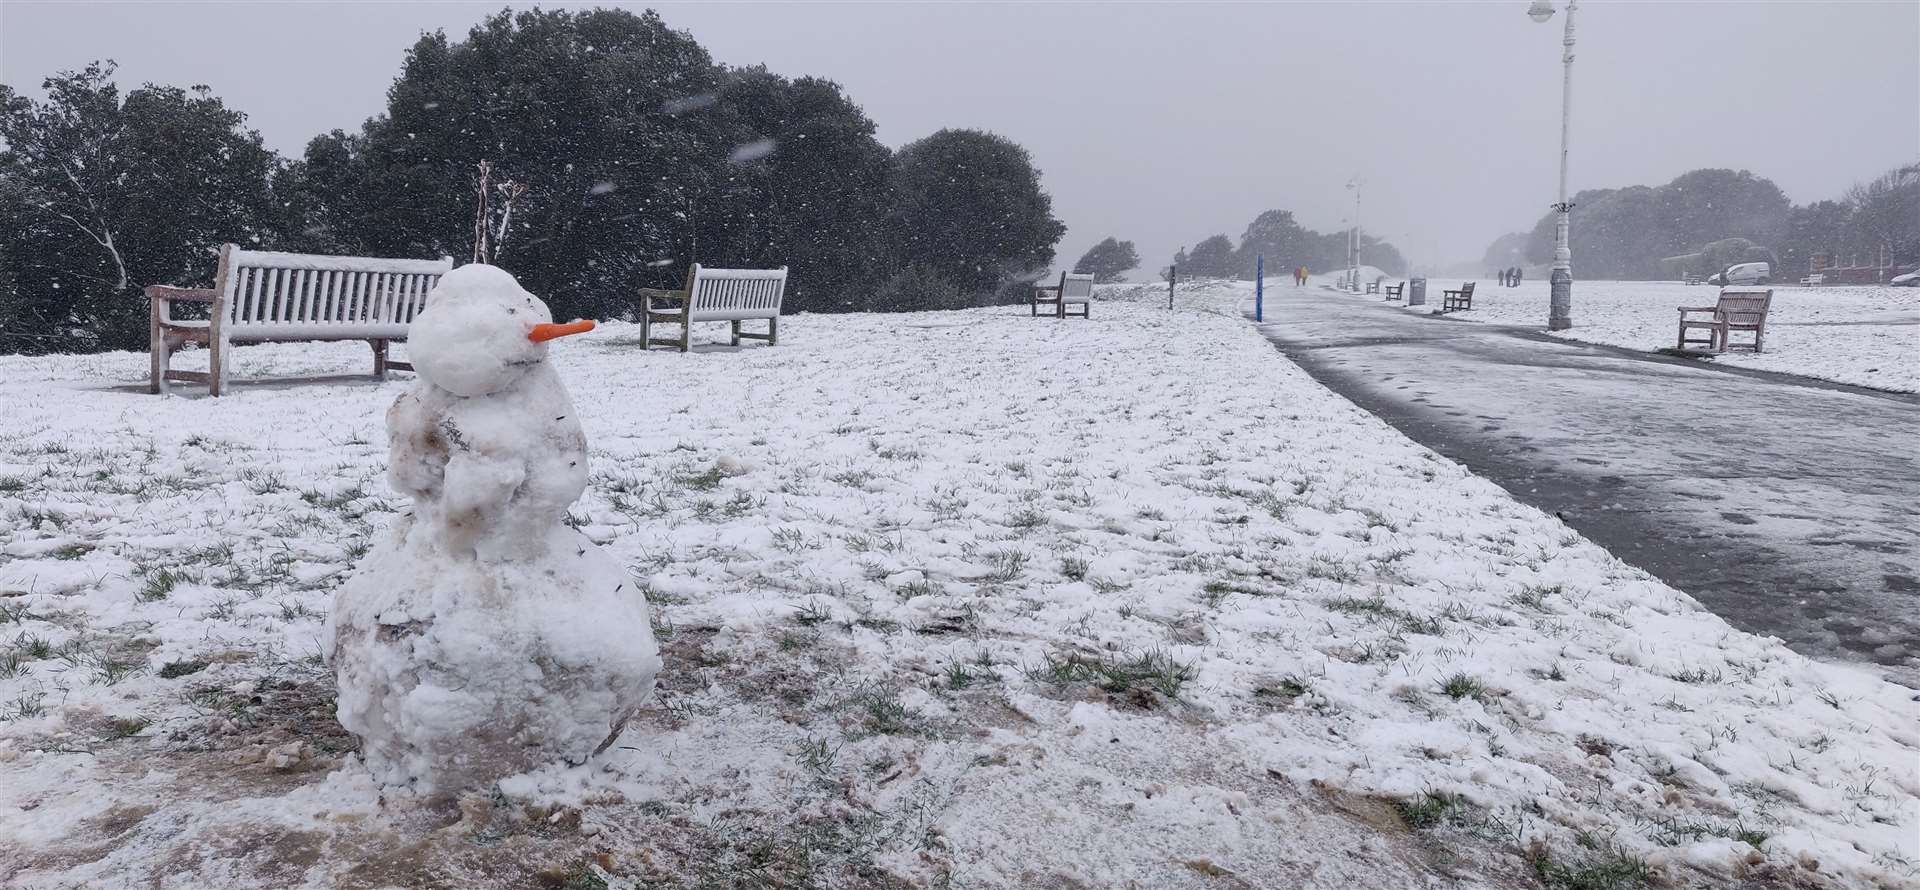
(1560, 304)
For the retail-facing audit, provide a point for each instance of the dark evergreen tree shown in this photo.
(606, 118)
(102, 195)
(1108, 260)
(968, 207)
(1213, 257)
(808, 187)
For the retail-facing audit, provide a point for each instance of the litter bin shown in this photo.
(1416, 291)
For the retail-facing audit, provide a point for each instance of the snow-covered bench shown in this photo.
(1738, 309)
(1457, 300)
(1073, 290)
(263, 296)
(1394, 291)
(734, 295)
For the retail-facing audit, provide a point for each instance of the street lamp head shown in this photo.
(1541, 10)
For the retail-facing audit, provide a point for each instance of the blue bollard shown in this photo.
(1259, 288)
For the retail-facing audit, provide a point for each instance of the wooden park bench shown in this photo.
(1374, 288)
(1457, 300)
(1396, 291)
(1739, 309)
(261, 296)
(1815, 280)
(1073, 290)
(731, 295)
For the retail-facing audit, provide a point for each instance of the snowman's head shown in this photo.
(481, 332)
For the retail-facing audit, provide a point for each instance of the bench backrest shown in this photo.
(729, 294)
(1076, 288)
(262, 288)
(1466, 290)
(1744, 305)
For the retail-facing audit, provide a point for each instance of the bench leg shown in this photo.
(157, 344)
(686, 334)
(736, 332)
(646, 323)
(216, 366)
(773, 331)
(379, 358)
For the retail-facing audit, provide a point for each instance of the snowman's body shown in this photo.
(482, 637)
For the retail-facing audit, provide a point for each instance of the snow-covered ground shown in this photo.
(1866, 336)
(997, 601)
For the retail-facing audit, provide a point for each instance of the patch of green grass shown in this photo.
(1676, 830)
(14, 613)
(704, 480)
(1379, 609)
(1154, 671)
(12, 664)
(12, 484)
(882, 713)
(1217, 589)
(1608, 870)
(1428, 810)
(959, 676)
(125, 728)
(1331, 570)
(853, 478)
(173, 669)
(1027, 518)
(109, 670)
(262, 482)
(158, 584)
(812, 613)
(1006, 566)
(1461, 686)
(1073, 568)
(26, 706)
(72, 551)
(1695, 675)
(1289, 688)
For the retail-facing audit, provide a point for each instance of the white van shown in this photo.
(1742, 274)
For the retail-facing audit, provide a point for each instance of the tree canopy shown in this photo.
(615, 153)
(1108, 260)
(1627, 232)
(968, 206)
(101, 195)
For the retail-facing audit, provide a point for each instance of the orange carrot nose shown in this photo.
(541, 333)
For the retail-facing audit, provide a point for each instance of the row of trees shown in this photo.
(613, 151)
(1625, 233)
(1285, 244)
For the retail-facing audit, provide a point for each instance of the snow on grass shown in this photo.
(965, 598)
(1865, 336)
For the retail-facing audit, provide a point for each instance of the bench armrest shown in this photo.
(1686, 309)
(193, 294)
(650, 294)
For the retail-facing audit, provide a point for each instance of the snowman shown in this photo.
(482, 638)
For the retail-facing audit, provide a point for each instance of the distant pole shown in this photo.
(1353, 238)
(1173, 272)
(1259, 288)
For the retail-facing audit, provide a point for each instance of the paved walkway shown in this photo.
(1789, 507)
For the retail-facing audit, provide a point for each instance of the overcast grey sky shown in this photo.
(1164, 122)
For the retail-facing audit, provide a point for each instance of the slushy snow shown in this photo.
(881, 558)
(481, 637)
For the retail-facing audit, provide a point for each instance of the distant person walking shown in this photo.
(1517, 274)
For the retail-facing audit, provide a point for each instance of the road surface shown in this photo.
(1787, 506)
